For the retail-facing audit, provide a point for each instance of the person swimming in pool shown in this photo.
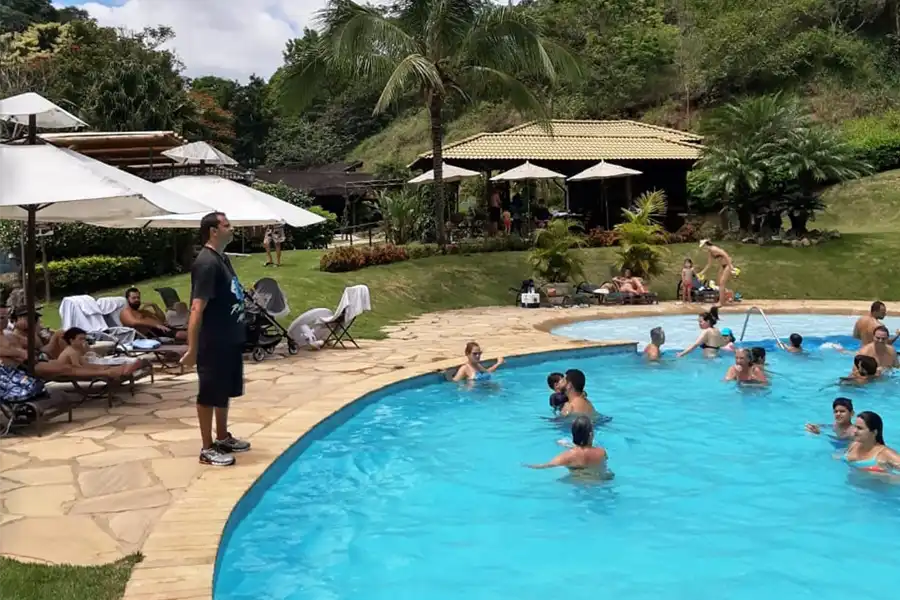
(796, 344)
(709, 340)
(473, 370)
(758, 356)
(657, 339)
(583, 456)
(744, 371)
(557, 383)
(868, 451)
(576, 400)
(881, 349)
(865, 370)
(729, 339)
(843, 428)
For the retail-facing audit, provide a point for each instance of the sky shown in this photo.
(229, 38)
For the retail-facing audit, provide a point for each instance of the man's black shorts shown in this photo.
(220, 371)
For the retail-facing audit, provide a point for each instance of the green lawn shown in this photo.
(20, 581)
(867, 205)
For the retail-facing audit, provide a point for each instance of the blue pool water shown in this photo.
(718, 493)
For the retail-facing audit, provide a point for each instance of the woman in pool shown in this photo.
(868, 452)
(473, 370)
(710, 340)
(843, 426)
(583, 456)
(744, 371)
(730, 340)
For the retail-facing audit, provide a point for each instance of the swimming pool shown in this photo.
(419, 492)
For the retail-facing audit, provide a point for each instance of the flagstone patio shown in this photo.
(121, 479)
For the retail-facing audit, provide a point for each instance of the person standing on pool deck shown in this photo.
(215, 340)
(726, 267)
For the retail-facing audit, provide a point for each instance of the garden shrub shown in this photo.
(875, 139)
(419, 250)
(343, 259)
(688, 233)
(91, 273)
(602, 238)
(384, 254)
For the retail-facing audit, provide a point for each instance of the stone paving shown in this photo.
(121, 479)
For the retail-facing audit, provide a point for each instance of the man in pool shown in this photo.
(864, 329)
(657, 339)
(842, 427)
(576, 400)
(583, 456)
(881, 349)
(743, 371)
(796, 345)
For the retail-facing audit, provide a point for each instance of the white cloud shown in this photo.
(230, 38)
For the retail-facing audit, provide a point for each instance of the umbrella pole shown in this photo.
(29, 285)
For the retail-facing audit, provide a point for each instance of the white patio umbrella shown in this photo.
(34, 110)
(450, 174)
(527, 171)
(199, 153)
(46, 183)
(244, 206)
(604, 170)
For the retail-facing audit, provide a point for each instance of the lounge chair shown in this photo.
(37, 410)
(169, 297)
(97, 387)
(168, 353)
(354, 301)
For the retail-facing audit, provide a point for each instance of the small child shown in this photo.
(557, 383)
(657, 339)
(507, 222)
(796, 343)
(687, 280)
(758, 356)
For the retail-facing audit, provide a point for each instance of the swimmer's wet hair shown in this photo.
(871, 419)
(656, 333)
(845, 402)
(471, 346)
(711, 316)
(882, 328)
(582, 428)
(757, 355)
(877, 305)
(576, 378)
(866, 365)
(553, 379)
(796, 340)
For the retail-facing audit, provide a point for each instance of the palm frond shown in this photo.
(356, 31)
(517, 93)
(302, 81)
(414, 69)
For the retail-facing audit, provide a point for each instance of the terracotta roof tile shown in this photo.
(619, 128)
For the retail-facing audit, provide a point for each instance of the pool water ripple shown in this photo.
(718, 494)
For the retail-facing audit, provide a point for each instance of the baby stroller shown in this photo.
(265, 304)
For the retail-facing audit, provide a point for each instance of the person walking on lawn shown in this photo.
(215, 340)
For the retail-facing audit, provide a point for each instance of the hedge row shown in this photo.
(91, 273)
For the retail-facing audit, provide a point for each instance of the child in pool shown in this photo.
(796, 344)
(473, 370)
(557, 383)
(865, 370)
(843, 426)
(657, 339)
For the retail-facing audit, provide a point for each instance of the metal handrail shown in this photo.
(768, 324)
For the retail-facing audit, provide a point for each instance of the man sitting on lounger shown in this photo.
(51, 344)
(147, 319)
(13, 356)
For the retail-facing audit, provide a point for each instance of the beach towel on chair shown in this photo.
(354, 302)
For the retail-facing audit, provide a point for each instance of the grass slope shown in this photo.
(855, 266)
(20, 581)
(867, 205)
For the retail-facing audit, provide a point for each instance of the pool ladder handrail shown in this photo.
(757, 309)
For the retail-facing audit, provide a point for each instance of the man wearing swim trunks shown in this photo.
(274, 237)
(215, 340)
(726, 267)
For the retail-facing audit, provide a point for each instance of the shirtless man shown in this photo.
(576, 400)
(864, 329)
(881, 349)
(19, 334)
(725, 268)
(78, 354)
(743, 371)
(583, 458)
(147, 320)
(657, 339)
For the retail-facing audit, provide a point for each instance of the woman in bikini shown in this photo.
(710, 339)
(726, 267)
(868, 452)
(473, 370)
(629, 284)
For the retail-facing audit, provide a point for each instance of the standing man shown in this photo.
(864, 329)
(274, 237)
(215, 339)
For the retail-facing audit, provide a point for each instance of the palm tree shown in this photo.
(640, 251)
(553, 258)
(436, 49)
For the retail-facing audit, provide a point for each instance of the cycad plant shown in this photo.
(432, 50)
(402, 213)
(555, 258)
(638, 234)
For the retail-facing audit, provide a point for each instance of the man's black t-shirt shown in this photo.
(213, 279)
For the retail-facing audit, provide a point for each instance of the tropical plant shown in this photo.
(403, 215)
(766, 157)
(639, 235)
(554, 258)
(436, 49)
